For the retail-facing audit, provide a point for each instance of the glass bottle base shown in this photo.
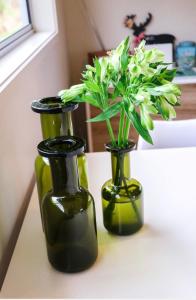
(123, 229)
(122, 207)
(72, 260)
(70, 229)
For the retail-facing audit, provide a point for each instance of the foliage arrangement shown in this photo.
(131, 86)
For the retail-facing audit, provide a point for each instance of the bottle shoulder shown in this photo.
(131, 188)
(86, 192)
(129, 182)
(68, 203)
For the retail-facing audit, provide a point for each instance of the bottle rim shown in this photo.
(61, 146)
(131, 145)
(52, 105)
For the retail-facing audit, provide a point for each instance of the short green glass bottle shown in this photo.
(122, 198)
(56, 121)
(68, 210)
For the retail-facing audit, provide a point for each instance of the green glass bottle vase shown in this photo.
(68, 210)
(122, 199)
(56, 121)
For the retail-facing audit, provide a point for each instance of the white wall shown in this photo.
(44, 76)
(176, 17)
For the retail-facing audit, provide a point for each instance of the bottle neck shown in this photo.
(54, 125)
(64, 171)
(120, 167)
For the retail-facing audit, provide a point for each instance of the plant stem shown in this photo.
(123, 179)
(126, 131)
(111, 133)
(117, 179)
(121, 127)
(121, 183)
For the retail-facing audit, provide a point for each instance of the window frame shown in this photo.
(17, 37)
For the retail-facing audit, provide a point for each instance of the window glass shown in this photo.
(14, 16)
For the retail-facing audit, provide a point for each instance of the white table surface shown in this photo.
(157, 262)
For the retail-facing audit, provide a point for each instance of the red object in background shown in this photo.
(138, 39)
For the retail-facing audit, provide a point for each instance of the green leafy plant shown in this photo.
(131, 86)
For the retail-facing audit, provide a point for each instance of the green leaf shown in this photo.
(171, 98)
(154, 55)
(115, 94)
(92, 86)
(165, 88)
(169, 74)
(142, 80)
(146, 120)
(178, 103)
(97, 67)
(87, 99)
(72, 93)
(90, 68)
(124, 61)
(135, 119)
(125, 55)
(120, 87)
(167, 111)
(123, 47)
(126, 45)
(103, 64)
(107, 114)
(148, 107)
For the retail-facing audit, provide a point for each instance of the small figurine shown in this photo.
(138, 30)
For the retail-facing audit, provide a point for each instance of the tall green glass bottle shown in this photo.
(56, 121)
(68, 210)
(122, 198)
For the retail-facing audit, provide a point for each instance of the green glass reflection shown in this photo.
(122, 198)
(69, 219)
(54, 125)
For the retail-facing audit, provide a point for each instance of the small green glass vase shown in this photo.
(68, 210)
(56, 121)
(122, 198)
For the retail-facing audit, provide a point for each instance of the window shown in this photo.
(15, 23)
